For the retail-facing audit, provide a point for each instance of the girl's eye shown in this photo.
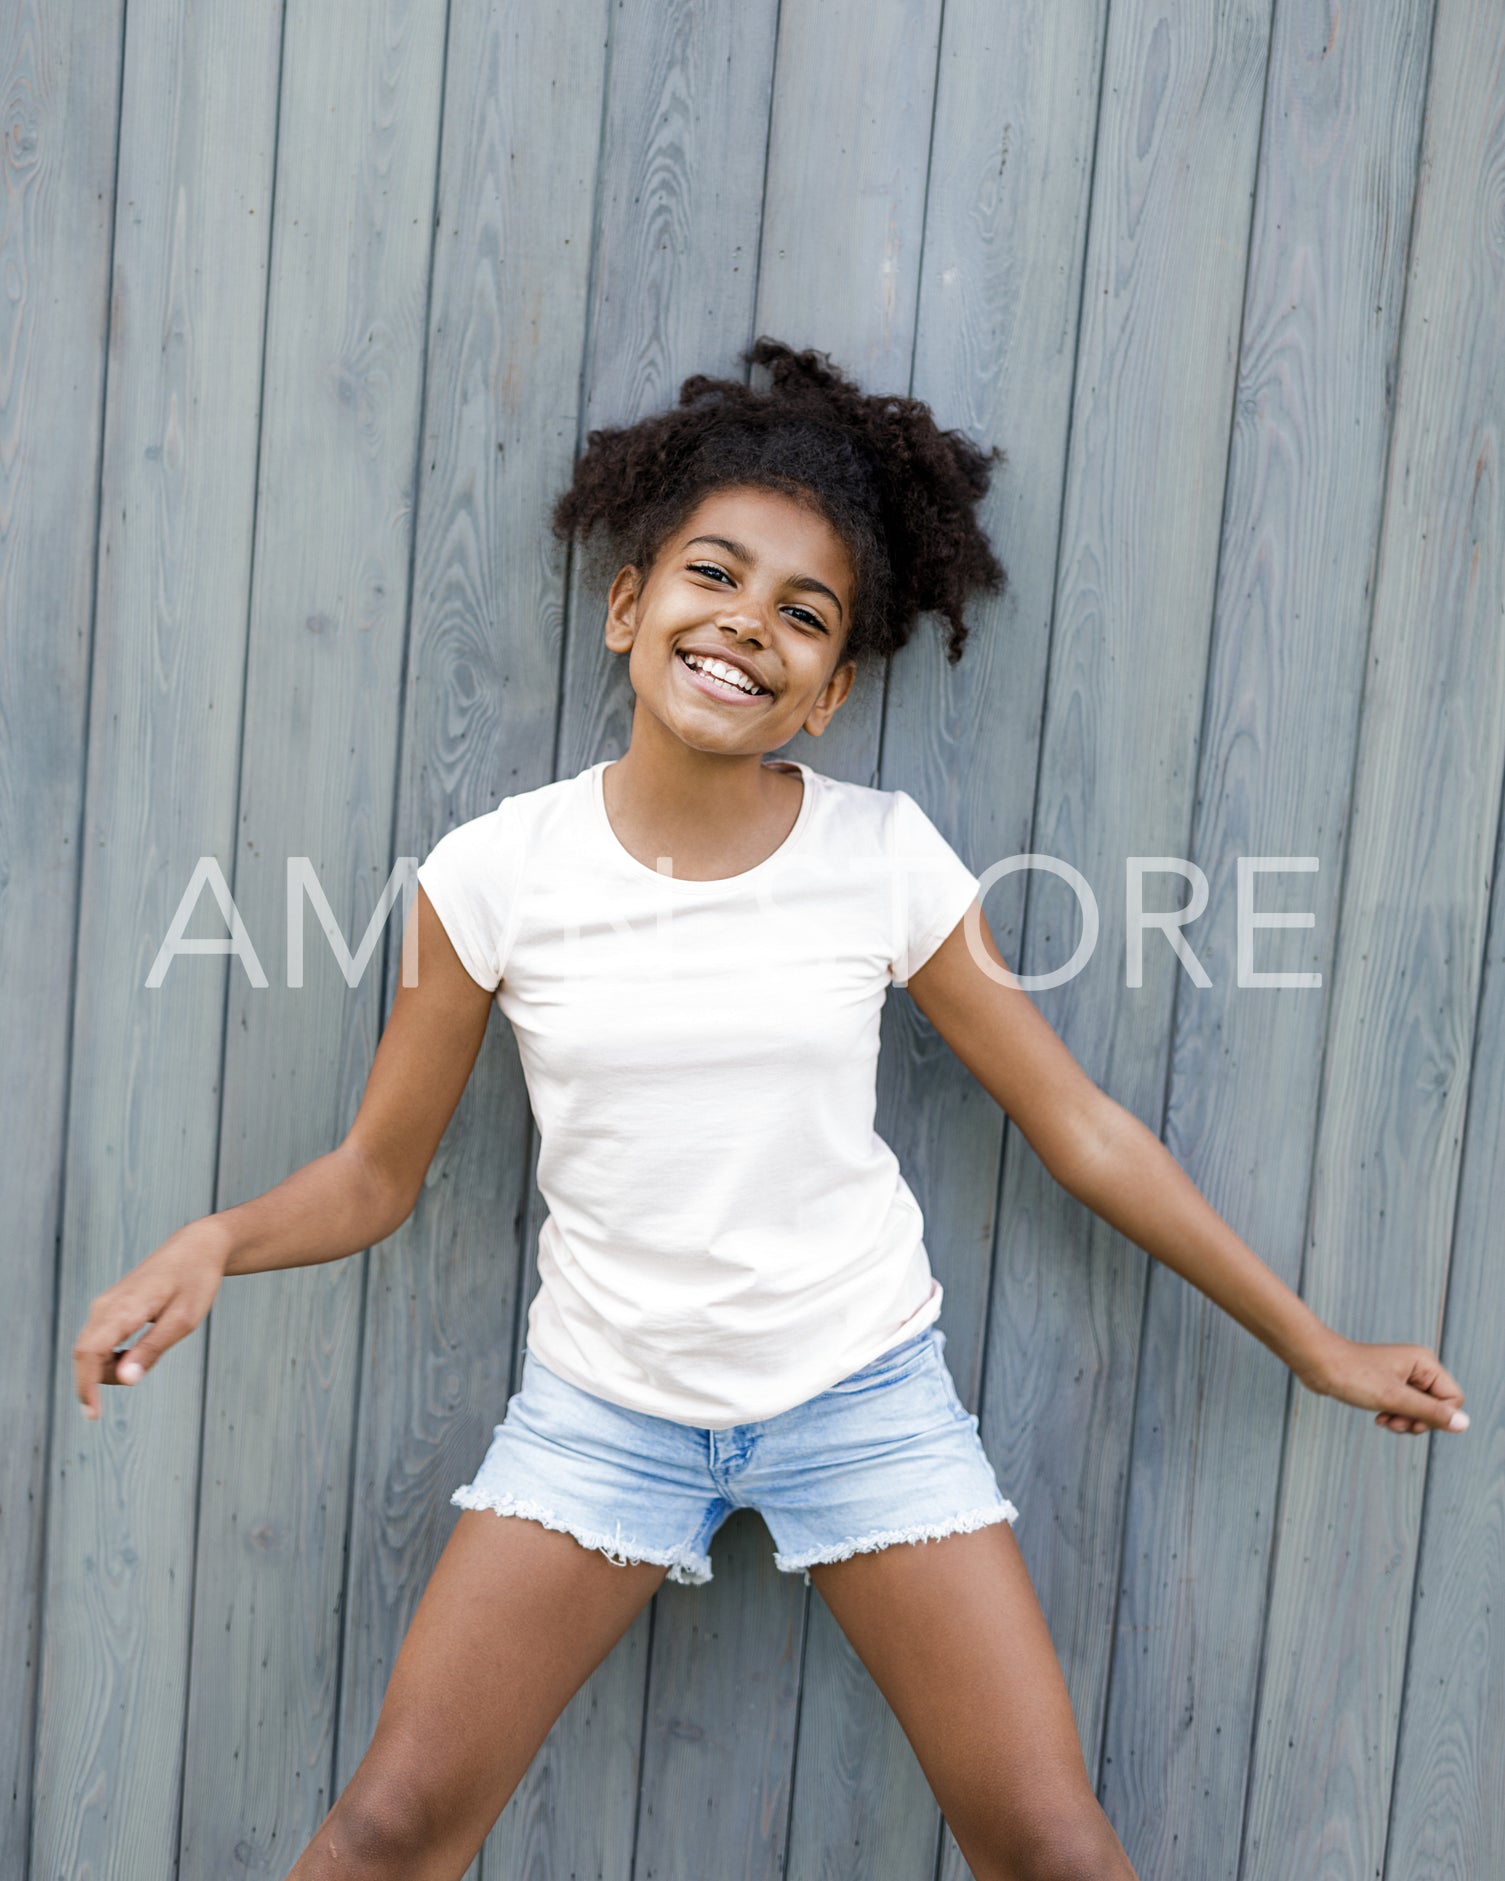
(710, 568)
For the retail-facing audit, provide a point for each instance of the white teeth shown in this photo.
(720, 669)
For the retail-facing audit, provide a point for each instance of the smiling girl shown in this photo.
(735, 1308)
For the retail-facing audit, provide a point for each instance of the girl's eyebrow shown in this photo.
(802, 584)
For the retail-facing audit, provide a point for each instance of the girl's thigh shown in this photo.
(513, 1621)
(954, 1638)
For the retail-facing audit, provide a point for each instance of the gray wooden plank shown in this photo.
(861, 1804)
(843, 229)
(852, 104)
(351, 251)
(719, 1732)
(60, 78)
(1447, 1814)
(485, 676)
(1411, 943)
(845, 195)
(682, 163)
(673, 281)
(1300, 530)
(1175, 162)
(677, 103)
(1005, 236)
(197, 109)
(506, 327)
(716, 1739)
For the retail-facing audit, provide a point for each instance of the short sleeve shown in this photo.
(932, 887)
(472, 877)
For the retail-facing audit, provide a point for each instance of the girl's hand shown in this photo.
(1405, 1384)
(173, 1287)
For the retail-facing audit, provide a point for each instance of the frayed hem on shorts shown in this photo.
(685, 1566)
(887, 1538)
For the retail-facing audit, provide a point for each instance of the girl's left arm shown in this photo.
(1103, 1155)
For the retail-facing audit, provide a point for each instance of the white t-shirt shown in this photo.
(727, 1235)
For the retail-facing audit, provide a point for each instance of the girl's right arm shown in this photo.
(349, 1199)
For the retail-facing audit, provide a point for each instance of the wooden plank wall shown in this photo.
(308, 309)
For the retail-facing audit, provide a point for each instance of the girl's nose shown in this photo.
(745, 625)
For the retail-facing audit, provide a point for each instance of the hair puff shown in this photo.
(900, 492)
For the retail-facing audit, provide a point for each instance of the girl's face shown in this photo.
(760, 583)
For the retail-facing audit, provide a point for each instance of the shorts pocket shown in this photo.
(898, 1364)
(952, 1396)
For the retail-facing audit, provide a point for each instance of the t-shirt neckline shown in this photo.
(629, 861)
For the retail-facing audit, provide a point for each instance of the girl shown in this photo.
(735, 1306)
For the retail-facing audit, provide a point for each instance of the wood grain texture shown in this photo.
(1447, 1809)
(861, 1804)
(187, 293)
(522, 105)
(681, 205)
(718, 1737)
(1405, 994)
(292, 592)
(843, 228)
(59, 93)
(673, 278)
(674, 210)
(865, 132)
(1175, 162)
(1300, 529)
(351, 251)
(1005, 233)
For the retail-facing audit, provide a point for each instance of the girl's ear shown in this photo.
(831, 698)
(621, 610)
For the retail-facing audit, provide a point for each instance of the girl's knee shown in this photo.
(1076, 1844)
(381, 1826)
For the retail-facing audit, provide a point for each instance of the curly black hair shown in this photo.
(900, 492)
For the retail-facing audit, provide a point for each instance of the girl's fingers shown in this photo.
(162, 1301)
(95, 1360)
(1445, 1385)
(1408, 1386)
(103, 1368)
(1420, 1393)
(1418, 1410)
(1430, 1374)
(131, 1367)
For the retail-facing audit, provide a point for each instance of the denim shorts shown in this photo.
(890, 1454)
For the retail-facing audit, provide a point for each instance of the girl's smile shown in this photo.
(712, 672)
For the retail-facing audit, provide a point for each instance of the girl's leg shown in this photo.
(954, 1638)
(513, 1621)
